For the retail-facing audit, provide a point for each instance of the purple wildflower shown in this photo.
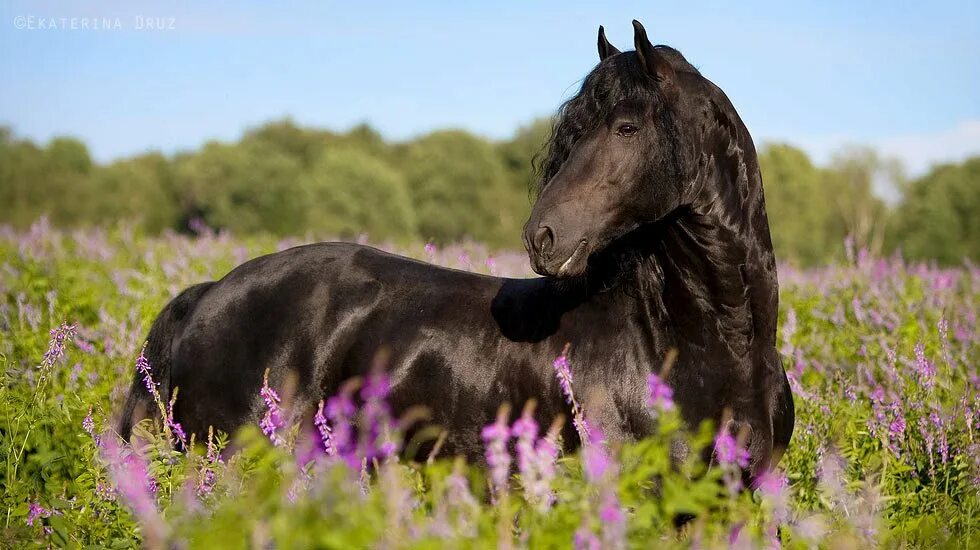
(340, 410)
(535, 459)
(546, 455)
(207, 479)
(772, 487)
(929, 439)
(660, 396)
(858, 309)
(943, 326)
(35, 511)
(76, 371)
(495, 437)
(937, 421)
(458, 495)
(601, 472)
(924, 368)
(525, 430)
(105, 491)
(896, 429)
(272, 420)
(172, 428)
(175, 426)
(143, 367)
(729, 452)
(89, 426)
(377, 440)
(595, 458)
(789, 329)
(968, 416)
(585, 539)
(564, 375)
(136, 487)
(326, 435)
(613, 520)
(60, 336)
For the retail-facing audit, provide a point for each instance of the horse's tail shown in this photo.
(159, 346)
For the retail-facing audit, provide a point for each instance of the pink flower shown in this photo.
(925, 369)
(272, 420)
(495, 437)
(35, 511)
(728, 451)
(660, 396)
(326, 435)
(60, 336)
(564, 375)
(535, 460)
(136, 487)
(377, 440)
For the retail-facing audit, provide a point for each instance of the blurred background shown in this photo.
(410, 122)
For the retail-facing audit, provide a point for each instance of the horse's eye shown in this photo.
(627, 130)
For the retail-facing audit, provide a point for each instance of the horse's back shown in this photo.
(317, 313)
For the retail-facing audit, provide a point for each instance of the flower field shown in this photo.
(881, 354)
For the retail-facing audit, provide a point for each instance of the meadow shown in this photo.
(881, 354)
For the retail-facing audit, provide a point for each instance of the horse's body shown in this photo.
(686, 264)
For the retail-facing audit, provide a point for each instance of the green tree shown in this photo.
(797, 208)
(348, 192)
(22, 192)
(140, 188)
(939, 215)
(523, 149)
(856, 210)
(459, 187)
(245, 188)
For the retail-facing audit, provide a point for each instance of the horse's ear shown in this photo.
(655, 63)
(605, 48)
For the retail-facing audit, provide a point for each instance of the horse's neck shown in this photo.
(701, 286)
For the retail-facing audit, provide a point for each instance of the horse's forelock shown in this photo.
(615, 79)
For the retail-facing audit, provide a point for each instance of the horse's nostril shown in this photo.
(544, 239)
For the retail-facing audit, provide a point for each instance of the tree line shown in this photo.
(451, 185)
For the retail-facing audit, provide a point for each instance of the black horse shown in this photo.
(650, 230)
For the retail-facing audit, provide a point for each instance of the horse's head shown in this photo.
(621, 155)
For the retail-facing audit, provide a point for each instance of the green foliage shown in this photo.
(140, 189)
(940, 217)
(847, 331)
(459, 188)
(798, 214)
(521, 152)
(243, 188)
(812, 210)
(348, 190)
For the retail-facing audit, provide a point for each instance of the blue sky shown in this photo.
(900, 76)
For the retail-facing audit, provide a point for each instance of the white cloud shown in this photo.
(920, 151)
